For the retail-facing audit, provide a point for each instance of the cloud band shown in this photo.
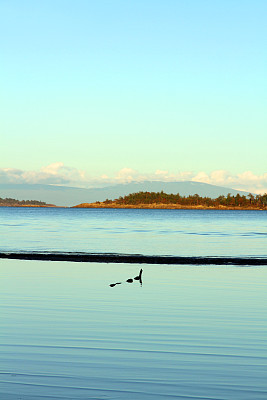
(59, 174)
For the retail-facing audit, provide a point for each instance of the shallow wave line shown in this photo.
(108, 390)
(121, 350)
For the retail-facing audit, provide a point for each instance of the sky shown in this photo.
(99, 92)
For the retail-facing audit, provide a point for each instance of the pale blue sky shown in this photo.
(104, 85)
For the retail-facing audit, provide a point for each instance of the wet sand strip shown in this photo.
(133, 258)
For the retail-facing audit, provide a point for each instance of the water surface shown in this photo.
(186, 333)
(151, 232)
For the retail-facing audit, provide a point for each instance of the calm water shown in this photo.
(152, 232)
(187, 333)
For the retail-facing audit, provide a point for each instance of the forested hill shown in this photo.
(164, 200)
(18, 203)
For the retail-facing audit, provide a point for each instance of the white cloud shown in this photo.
(247, 180)
(201, 177)
(127, 175)
(59, 174)
(53, 169)
(53, 174)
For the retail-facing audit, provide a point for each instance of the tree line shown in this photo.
(13, 202)
(250, 201)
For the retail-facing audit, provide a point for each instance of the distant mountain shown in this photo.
(70, 196)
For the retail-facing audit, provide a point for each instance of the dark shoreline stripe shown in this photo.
(133, 258)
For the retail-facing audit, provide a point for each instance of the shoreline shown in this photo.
(29, 205)
(161, 206)
(141, 207)
(32, 205)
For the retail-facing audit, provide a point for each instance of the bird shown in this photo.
(130, 280)
(139, 277)
(114, 284)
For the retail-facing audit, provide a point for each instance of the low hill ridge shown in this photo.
(69, 196)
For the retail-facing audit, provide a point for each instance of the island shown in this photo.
(8, 202)
(161, 200)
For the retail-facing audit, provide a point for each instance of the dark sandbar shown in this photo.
(133, 258)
